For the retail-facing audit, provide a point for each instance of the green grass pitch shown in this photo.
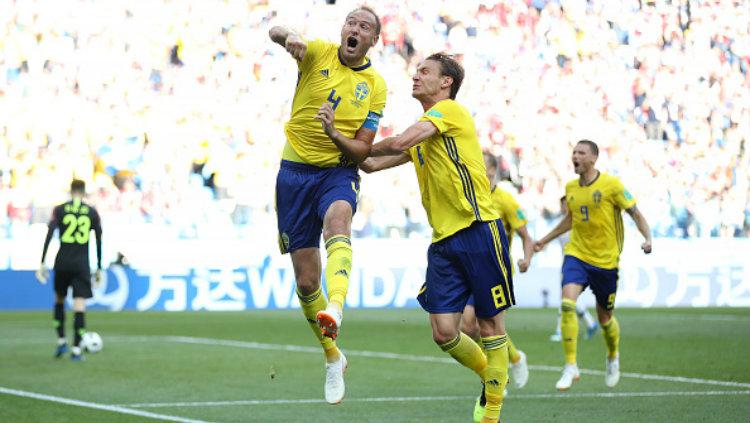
(679, 365)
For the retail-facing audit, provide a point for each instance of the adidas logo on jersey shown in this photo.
(324, 72)
(342, 272)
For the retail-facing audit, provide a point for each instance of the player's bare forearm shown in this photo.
(413, 135)
(564, 226)
(643, 227)
(292, 42)
(528, 245)
(385, 148)
(375, 164)
(356, 149)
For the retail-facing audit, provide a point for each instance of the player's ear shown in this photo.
(447, 81)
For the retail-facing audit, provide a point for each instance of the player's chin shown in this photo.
(349, 55)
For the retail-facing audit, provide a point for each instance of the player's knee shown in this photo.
(604, 316)
(338, 220)
(307, 285)
(442, 336)
(337, 227)
(79, 304)
(568, 305)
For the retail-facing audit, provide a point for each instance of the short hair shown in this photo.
(449, 67)
(78, 186)
(372, 12)
(592, 146)
(491, 158)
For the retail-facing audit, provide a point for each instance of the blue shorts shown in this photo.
(603, 282)
(303, 195)
(472, 262)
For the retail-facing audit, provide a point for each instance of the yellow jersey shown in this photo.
(597, 233)
(450, 170)
(352, 92)
(510, 212)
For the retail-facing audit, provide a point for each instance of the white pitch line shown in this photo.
(412, 357)
(646, 376)
(693, 317)
(292, 401)
(105, 407)
(510, 397)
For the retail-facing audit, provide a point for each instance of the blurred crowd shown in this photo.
(173, 111)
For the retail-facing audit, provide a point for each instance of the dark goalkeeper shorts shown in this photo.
(79, 280)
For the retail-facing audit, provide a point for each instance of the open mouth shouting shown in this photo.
(351, 44)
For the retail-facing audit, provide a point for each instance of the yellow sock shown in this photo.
(311, 305)
(611, 331)
(467, 352)
(338, 268)
(569, 330)
(495, 376)
(513, 355)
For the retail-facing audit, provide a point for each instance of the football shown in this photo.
(92, 342)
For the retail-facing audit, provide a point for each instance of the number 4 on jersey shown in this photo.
(333, 99)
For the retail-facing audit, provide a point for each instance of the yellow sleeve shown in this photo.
(378, 100)
(568, 189)
(439, 115)
(622, 197)
(315, 48)
(516, 217)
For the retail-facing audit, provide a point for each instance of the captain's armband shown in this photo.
(372, 121)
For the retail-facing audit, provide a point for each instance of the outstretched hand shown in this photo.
(326, 117)
(538, 246)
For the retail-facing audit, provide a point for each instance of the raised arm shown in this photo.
(292, 42)
(564, 226)
(413, 135)
(643, 228)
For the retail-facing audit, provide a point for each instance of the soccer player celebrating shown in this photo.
(318, 181)
(595, 201)
(591, 325)
(469, 251)
(75, 221)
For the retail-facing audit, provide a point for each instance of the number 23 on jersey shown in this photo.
(77, 229)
